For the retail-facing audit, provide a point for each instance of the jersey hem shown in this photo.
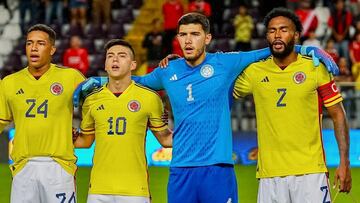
(294, 173)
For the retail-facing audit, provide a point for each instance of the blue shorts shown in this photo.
(215, 184)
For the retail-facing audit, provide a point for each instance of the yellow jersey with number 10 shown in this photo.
(120, 124)
(41, 110)
(288, 104)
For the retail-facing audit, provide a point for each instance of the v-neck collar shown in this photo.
(123, 93)
(43, 77)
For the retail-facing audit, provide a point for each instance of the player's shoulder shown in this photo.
(305, 59)
(96, 93)
(262, 63)
(145, 91)
(94, 96)
(67, 70)
(14, 76)
(175, 63)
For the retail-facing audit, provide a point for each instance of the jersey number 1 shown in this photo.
(189, 89)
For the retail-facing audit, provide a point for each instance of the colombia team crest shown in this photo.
(56, 89)
(207, 71)
(299, 77)
(134, 105)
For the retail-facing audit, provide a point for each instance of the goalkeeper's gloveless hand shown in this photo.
(86, 87)
(318, 55)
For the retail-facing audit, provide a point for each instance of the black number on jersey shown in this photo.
(62, 197)
(41, 109)
(282, 92)
(326, 192)
(120, 126)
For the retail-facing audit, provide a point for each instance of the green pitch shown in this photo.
(247, 184)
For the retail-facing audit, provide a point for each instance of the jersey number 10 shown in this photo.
(120, 126)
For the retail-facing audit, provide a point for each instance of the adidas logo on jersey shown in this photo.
(229, 200)
(266, 79)
(174, 77)
(101, 107)
(20, 91)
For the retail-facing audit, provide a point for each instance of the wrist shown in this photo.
(345, 162)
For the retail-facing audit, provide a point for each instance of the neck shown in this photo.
(118, 85)
(197, 61)
(38, 72)
(281, 62)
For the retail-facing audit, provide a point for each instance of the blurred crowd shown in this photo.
(84, 25)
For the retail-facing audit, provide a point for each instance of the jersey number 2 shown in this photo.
(120, 126)
(41, 109)
(282, 92)
(325, 190)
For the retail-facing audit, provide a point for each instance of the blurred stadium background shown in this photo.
(132, 20)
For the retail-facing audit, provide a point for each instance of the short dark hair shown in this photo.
(280, 11)
(46, 29)
(121, 42)
(195, 18)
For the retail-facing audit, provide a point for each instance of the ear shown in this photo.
(208, 38)
(133, 65)
(53, 49)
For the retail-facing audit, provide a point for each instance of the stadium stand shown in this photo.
(131, 19)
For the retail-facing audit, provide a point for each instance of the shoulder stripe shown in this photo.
(94, 91)
(61, 67)
(65, 67)
(146, 88)
(266, 59)
(306, 57)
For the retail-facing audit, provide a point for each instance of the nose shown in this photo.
(116, 58)
(34, 47)
(187, 39)
(277, 34)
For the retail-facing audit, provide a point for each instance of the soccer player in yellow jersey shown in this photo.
(117, 116)
(289, 93)
(38, 99)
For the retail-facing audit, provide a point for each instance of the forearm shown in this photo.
(164, 137)
(341, 129)
(84, 141)
(259, 54)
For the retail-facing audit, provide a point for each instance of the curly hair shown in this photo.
(280, 11)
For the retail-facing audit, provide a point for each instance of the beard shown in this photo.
(288, 48)
(195, 57)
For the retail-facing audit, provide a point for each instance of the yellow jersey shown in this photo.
(41, 110)
(120, 124)
(288, 105)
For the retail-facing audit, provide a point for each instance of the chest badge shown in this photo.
(299, 77)
(134, 106)
(56, 89)
(207, 71)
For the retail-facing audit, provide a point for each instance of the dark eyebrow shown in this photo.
(112, 53)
